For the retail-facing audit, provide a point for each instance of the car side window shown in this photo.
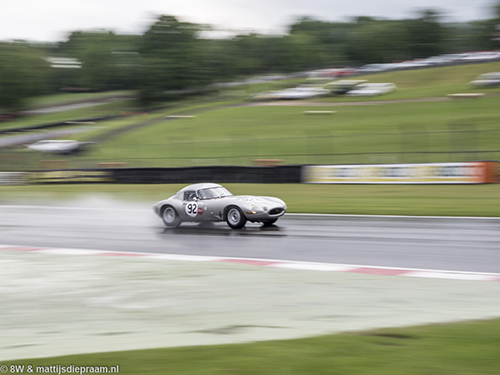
(190, 196)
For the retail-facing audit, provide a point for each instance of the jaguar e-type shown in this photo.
(209, 202)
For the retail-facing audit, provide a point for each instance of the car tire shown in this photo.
(170, 217)
(235, 218)
(268, 223)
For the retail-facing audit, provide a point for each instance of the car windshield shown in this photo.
(211, 193)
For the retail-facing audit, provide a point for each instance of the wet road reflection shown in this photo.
(460, 244)
(221, 229)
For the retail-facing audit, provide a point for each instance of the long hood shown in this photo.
(257, 200)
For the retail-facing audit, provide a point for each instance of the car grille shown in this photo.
(275, 211)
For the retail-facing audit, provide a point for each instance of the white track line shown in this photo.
(274, 263)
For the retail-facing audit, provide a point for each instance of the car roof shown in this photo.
(204, 185)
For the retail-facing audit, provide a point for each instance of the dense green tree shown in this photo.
(172, 58)
(220, 58)
(327, 42)
(109, 61)
(377, 41)
(23, 73)
(250, 53)
(425, 34)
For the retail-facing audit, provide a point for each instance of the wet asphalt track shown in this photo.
(456, 244)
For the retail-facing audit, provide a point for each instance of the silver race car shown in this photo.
(212, 202)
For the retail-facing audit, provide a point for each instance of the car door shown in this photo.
(209, 208)
(213, 209)
(191, 210)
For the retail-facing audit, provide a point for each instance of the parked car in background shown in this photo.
(58, 146)
(374, 68)
(343, 86)
(266, 95)
(299, 92)
(481, 56)
(487, 80)
(303, 92)
(332, 73)
(372, 89)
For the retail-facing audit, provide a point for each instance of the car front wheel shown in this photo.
(170, 217)
(269, 222)
(235, 218)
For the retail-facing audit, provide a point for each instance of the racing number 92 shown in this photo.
(192, 209)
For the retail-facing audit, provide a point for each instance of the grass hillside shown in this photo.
(392, 132)
(395, 132)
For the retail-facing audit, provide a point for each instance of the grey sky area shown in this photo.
(52, 20)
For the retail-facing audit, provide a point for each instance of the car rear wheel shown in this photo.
(235, 218)
(170, 217)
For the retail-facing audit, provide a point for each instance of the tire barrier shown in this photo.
(218, 174)
(14, 178)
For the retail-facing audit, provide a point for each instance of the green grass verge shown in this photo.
(389, 133)
(460, 349)
(428, 200)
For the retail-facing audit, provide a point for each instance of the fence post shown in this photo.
(466, 134)
(332, 153)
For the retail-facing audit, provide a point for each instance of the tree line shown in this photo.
(172, 55)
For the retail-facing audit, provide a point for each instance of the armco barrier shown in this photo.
(220, 174)
(71, 176)
(13, 178)
(77, 122)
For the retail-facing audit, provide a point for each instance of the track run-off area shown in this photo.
(83, 279)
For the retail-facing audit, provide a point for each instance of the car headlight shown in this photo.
(258, 208)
